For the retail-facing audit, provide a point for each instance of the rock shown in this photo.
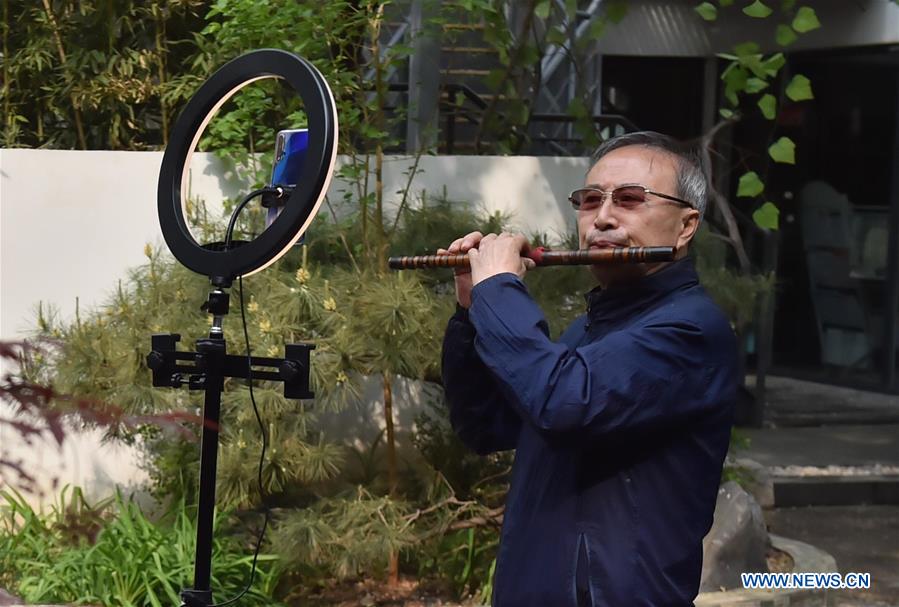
(759, 482)
(737, 541)
(9, 599)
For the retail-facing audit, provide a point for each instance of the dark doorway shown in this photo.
(661, 94)
(833, 272)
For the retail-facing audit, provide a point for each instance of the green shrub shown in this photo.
(129, 562)
(462, 562)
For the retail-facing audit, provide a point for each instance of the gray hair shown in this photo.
(692, 172)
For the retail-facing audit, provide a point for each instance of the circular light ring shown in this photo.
(299, 210)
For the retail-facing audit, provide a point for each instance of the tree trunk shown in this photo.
(392, 472)
(393, 570)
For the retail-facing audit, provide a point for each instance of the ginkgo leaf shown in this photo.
(750, 185)
(757, 9)
(707, 11)
(799, 88)
(785, 35)
(767, 216)
(768, 105)
(783, 150)
(806, 20)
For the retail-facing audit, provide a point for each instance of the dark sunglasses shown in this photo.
(623, 197)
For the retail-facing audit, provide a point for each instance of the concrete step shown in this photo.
(836, 465)
(808, 419)
(833, 490)
(798, 403)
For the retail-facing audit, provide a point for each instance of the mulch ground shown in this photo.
(374, 593)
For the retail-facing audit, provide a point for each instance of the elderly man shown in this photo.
(621, 426)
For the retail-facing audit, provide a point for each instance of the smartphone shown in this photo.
(290, 158)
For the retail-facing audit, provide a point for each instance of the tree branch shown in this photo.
(721, 203)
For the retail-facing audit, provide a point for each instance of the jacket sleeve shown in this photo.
(479, 413)
(638, 378)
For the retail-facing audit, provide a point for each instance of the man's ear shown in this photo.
(689, 227)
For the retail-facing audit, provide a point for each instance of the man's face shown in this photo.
(658, 222)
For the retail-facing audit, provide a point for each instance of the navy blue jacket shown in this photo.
(620, 430)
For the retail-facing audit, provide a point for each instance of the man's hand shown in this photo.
(463, 275)
(498, 254)
(489, 255)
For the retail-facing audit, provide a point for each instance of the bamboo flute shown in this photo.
(544, 257)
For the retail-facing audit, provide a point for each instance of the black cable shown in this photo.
(231, 223)
(246, 334)
(243, 317)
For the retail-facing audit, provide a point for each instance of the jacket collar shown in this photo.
(619, 301)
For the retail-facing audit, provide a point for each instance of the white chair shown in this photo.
(824, 216)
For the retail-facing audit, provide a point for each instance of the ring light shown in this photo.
(222, 266)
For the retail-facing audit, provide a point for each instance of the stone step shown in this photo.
(835, 490)
(793, 485)
(811, 419)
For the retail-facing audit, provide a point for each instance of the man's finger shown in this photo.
(524, 244)
(471, 241)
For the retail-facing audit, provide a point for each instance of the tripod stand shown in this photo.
(211, 364)
(207, 367)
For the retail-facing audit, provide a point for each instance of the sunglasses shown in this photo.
(623, 197)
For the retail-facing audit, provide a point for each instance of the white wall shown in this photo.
(73, 223)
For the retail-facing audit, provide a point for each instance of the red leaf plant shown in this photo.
(39, 413)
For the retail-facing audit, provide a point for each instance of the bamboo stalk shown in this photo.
(54, 25)
(7, 115)
(160, 70)
(379, 149)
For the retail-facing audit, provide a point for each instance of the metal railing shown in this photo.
(451, 110)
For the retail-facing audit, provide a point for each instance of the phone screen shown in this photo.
(290, 158)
